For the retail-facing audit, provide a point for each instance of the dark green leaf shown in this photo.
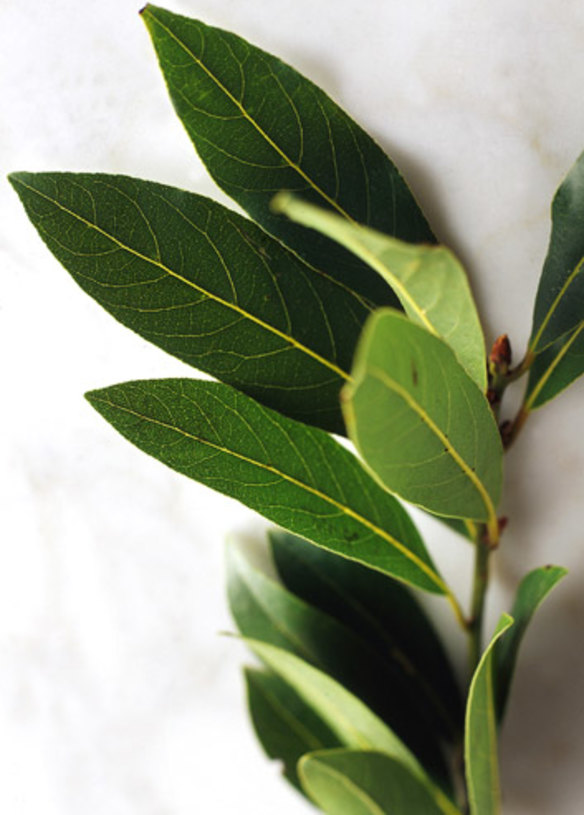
(285, 725)
(421, 424)
(260, 127)
(429, 281)
(559, 305)
(385, 614)
(204, 284)
(363, 782)
(480, 748)
(532, 591)
(264, 610)
(297, 476)
(354, 724)
(556, 368)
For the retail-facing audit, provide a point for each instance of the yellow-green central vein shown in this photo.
(152, 261)
(423, 567)
(293, 722)
(358, 792)
(559, 297)
(350, 239)
(551, 368)
(402, 292)
(292, 164)
(443, 438)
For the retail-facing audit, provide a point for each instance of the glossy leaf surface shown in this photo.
(285, 725)
(559, 305)
(205, 285)
(421, 424)
(360, 782)
(480, 749)
(385, 614)
(429, 281)
(260, 127)
(297, 476)
(532, 591)
(264, 610)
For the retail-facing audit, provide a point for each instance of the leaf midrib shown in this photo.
(292, 164)
(552, 366)
(294, 481)
(390, 383)
(503, 626)
(555, 304)
(225, 303)
(359, 793)
(293, 722)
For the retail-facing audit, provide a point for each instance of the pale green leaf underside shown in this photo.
(480, 748)
(420, 422)
(360, 782)
(559, 304)
(260, 127)
(429, 280)
(532, 591)
(205, 285)
(297, 476)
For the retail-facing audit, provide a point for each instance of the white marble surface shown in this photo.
(116, 694)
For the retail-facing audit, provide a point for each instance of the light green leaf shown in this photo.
(260, 127)
(361, 782)
(385, 614)
(429, 280)
(480, 748)
(555, 368)
(559, 305)
(532, 591)
(205, 285)
(285, 725)
(266, 611)
(421, 424)
(354, 724)
(297, 476)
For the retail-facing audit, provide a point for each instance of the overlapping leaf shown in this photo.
(429, 281)
(421, 424)
(559, 305)
(556, 368)
(382, 612)
(260, 127)
(204, 284)
(297, 476)
(264, 610)
(285, 725)
(480, 749)
(346, 715)
(532, 591)
(365, 782)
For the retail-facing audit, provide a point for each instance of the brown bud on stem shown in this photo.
(500, 356)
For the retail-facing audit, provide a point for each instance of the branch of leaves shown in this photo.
(357, 697)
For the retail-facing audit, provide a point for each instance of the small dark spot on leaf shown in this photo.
(352, 537)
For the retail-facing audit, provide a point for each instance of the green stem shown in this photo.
(483, 547)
